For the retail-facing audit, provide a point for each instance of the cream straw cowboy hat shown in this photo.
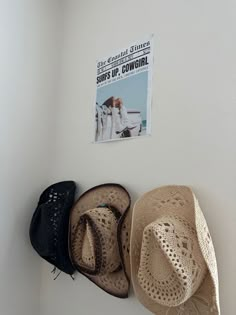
(99, 237)
(173, 263)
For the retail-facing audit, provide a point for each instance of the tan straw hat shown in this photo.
(173, 263)
(99, 237)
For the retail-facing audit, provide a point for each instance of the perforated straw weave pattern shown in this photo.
(95, 243)
(99, 238)
(50, 224)
(173, 262)
(176, 279)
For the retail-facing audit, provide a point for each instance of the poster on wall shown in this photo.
(124, 92)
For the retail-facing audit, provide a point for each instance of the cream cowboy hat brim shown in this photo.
(175, 200)
(115, 283)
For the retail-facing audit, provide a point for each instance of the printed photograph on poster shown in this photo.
(124, 92)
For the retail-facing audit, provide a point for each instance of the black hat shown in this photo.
(50, 225)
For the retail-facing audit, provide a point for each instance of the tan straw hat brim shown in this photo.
(175, 201)
(115, 283)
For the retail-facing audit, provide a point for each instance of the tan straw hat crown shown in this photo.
(173, 262)
(99, 237)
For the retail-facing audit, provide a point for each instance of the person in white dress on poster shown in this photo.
(112, 120)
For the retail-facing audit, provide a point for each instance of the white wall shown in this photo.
(193, 119)
(192, 142)
(28, 65)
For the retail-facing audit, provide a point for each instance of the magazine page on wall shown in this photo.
(124, 92)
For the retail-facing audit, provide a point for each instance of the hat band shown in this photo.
(114, 211)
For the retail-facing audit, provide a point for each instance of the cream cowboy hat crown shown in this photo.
(173, 262)
(99, 237)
